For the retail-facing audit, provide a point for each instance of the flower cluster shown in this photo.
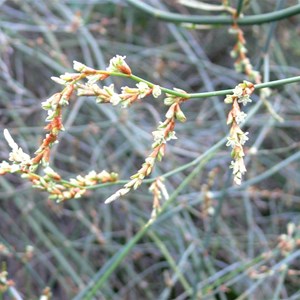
(118, 64)
(128, 96)
(289, 241)
(21, 161)
(53, 105)
(51, 181)
(61, 190)
(207, 203)
(5, 283)
(239, 51)
(159, 190)
(237, 138)
(163, 133)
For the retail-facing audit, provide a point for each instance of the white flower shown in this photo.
(143, 89)
(240, 117)
(158, 136)
(115, 63)
(156, 91)
(110, 90)
(59, 80)
(243, 137)
(150, 160)
(5, 167)
(51, 115)
(228, 99)
(238, 91)
(238, 171)
(17, 154)
(115, 99)
(69, 76)
(78, 66)
(92, 79)
(237, 178)
(171, 136)
(46, 105)
(244, 99)
(51, 173)
(233, 53)
(231, 141)
(234, 166)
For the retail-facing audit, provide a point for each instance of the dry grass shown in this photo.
(234, 253)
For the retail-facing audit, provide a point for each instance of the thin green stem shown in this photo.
(238, 270)
(215, 20)
(269, 84)
(164, 250)
(114, 262)
(239, 8)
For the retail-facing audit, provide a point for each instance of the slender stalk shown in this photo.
(239, 8)
(164, 250)
(111, 265)
(215, 20)
(269, 84)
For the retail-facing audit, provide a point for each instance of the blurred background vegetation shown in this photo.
(215, 241)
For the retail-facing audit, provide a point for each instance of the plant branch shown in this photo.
(270, 84)
(215, 20)
(106, 271)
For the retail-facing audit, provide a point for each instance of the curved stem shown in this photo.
(215, 20)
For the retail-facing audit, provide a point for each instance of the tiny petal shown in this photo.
(243, 138)
(171, 136)
(78, 66)
(169, 101)
(244, 99)
(171, 112)
(58, 80)
(179, 115)
(238, 91)
(228, 99)
(118, 64)
(92, 79)
(143, 89)
(156, 91)
(69, 76)
(229, 118)
(231, 141)
(240, 117)
(115, 99)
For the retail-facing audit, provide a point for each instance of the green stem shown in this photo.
(239, 8)
(164, 250)
(269, 84)
(215, 20)
(111, 265)
(238, 270)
